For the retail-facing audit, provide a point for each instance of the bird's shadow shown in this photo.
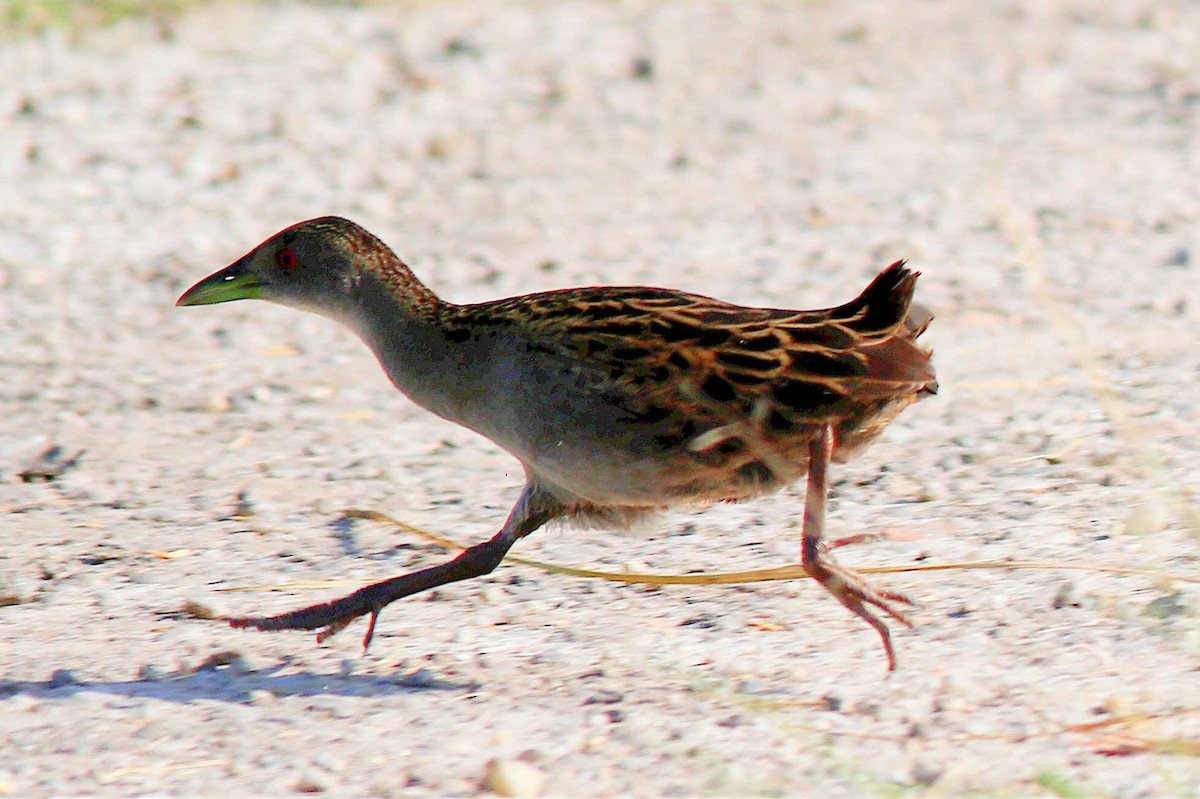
(238, 685)
(342, 529)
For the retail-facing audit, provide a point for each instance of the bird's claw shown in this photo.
(856, 594)
(329, 618)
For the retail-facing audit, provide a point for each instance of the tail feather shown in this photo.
(883, 305)
(885, 311)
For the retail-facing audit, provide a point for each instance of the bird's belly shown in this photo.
(591, 440)
(631, 464)
(597, 463)
(603, 476)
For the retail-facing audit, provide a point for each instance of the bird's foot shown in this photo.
(329, 618)
(856, 594)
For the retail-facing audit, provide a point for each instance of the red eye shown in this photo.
(286, 259)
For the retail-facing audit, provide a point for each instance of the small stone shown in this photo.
(50, 465)
(218, 660)
(148, 672)
(1149, 517)
(311, 783)
(1068, 595)
(964, 609)
(642, 68)
(448, 146)
(604, 697)
(16, 589)
(1117, 705)
(61, 677)
(218, 403)
(514, 778)
(925, 774)
(1179, 258)
(1164, 583)
(261, 696)
(1166, 607)
(198, 610)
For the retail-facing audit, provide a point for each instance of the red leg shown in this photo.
(849, 588)
(533, 509)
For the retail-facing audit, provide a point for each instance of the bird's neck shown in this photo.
(390, 286)
(403, 323)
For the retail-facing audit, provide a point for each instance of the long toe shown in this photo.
(333, 616)
(856, 594)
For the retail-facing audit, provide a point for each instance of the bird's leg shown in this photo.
(849, 589)
(533, 509)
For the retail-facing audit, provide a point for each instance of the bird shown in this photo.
(618, 401)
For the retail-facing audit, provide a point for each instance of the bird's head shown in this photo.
(314, 265)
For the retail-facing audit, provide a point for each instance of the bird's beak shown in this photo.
(234, 282)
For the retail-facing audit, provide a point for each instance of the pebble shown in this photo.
(1149, 517)
(514, 778)
(218, 403)
(225, 658)
(1117, 704)
(148, 672)
(1068, 595)
(260, 697)
(925, 774)
(198, 610)
(311, 782)
(1170, 606)
(61, 677)
(16, 589)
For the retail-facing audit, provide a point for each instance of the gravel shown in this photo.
(1037, 162)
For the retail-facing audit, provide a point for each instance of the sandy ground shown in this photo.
(1038, 162)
